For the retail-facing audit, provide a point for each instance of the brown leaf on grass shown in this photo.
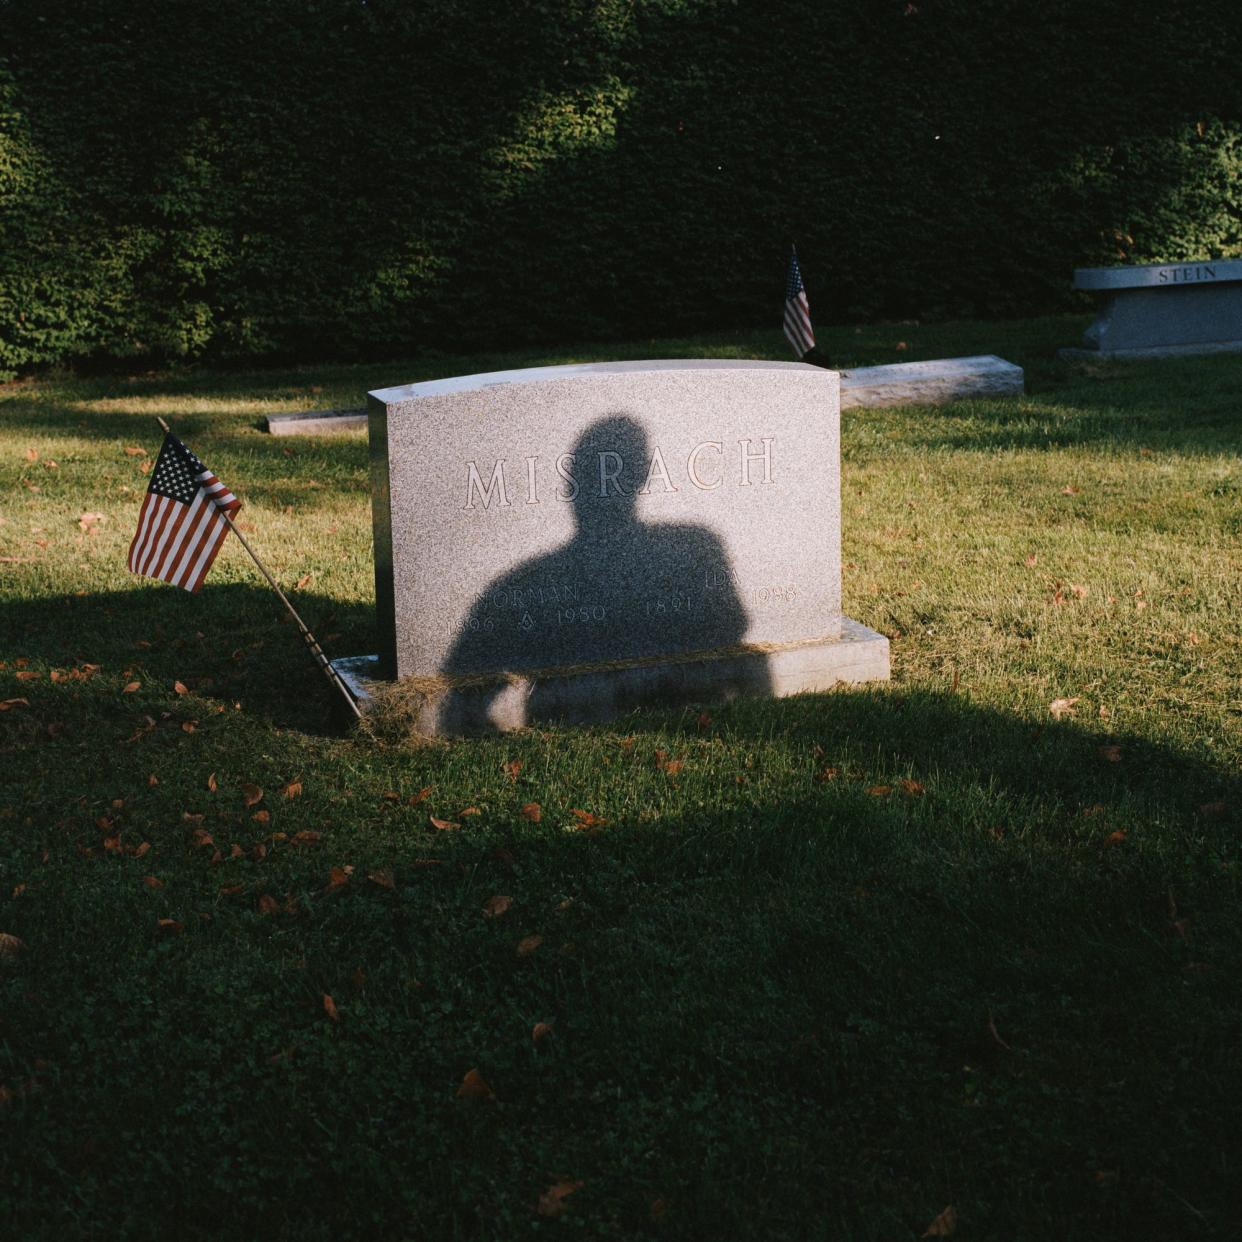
(211, 783)
(192, 817)
(262, 817)
(180, 687)
(329, 1007)
(879, 791)
(1110, 753)
(87, 520)
(494, 907)
(1070, 490)
(231, 890)
(422, 796)
(130, 687)
(585, 819)
(474, 1087)
(552, 1201)
(1080, 592)
(189, 726)
(170, 927)
(470, 810)
(132, 450)
(442, 825)
(252, 795)
(10, 946)
(384, 879)
(1060, 708)
(306, 837)
(512, 770)
(7, 705)
(528, 944)
(202, 838)
(533, 812)
(268, 905)
(912, 789)
(142, 850)
(152, 881)
(28, 674)
(540, 1031)
(338, 878)
(827, 774)
(237, 851)
(304, 581)
(1115, 838)
(944, 1226)
(702, 721)
(292, 790)
(391, 795)
(32, 455)
(1031, 561)
(673, 766)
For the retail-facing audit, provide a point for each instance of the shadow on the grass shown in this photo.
(229, 642)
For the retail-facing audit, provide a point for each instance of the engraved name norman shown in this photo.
(709, 465)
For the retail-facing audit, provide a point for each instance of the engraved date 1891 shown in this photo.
(674, 602)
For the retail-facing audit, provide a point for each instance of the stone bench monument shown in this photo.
(568, 543)
(1163, 309)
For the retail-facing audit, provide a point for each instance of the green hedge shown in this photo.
(263, 178)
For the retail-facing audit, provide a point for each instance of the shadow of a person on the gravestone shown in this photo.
(619, 590)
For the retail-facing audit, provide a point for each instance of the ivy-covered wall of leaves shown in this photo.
(361, 178)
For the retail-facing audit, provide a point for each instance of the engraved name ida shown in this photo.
(708, 465)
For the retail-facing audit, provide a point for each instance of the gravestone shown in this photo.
(316, 422)
(930, 383)
(1163, 309)
(568, 543)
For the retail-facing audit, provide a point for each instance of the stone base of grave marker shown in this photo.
(858, 655)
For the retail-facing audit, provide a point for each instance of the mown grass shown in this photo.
(784, 1004)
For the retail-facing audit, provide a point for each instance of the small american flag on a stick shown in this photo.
(182, 522)
(797, 313)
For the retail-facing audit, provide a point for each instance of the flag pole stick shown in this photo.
(312, 643)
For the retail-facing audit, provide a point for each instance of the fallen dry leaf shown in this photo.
(338, 878)
(584, 819)
(827, 774)
(268, 905)
(169, 927)
(474, 1087)
(304, 581)
(262, 817)
(494, 907)
(944, 1226)
(912, 789)
(1111, 754)
(329, 1007)
(131, 687)
(1060, 708)
(552, 1201)
(442, 825)
(383, 878)
(292, 790)
(306, 837)
(1068, 490)
(1031, 561)
(512, 769)
(132, 450)
(1080, 592)
(28, 674)
(528, 944)
(211, 783)
(189, 726)
(7, 705)
(879, 791)
(471, 810)
(180, 687)
(252, 795)
(532, 811)
(152, 881)
(540, 1031)
(994, 1035)
(1115, 838)
(10, 945)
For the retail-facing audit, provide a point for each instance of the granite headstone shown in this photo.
(567, 543)
(1163, 309)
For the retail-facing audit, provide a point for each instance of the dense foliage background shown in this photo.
(355, 178)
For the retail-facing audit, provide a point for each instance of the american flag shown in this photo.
(181, 526)
(797, 313)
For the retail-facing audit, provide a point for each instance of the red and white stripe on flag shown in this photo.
(181, 525)
(798, 329)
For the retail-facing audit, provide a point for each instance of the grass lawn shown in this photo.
(862, 957)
